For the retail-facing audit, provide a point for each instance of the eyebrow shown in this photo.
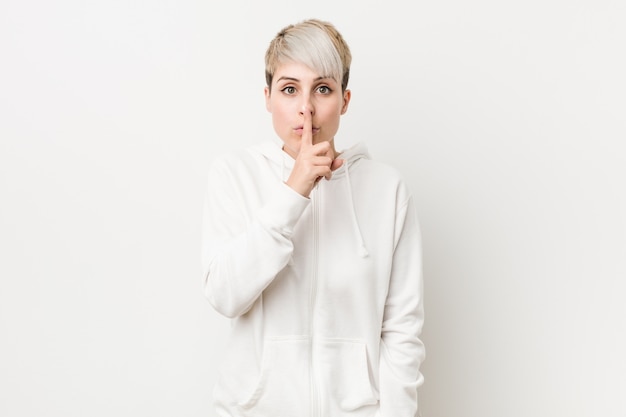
(284, 78)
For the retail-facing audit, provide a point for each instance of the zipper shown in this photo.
(315, 408)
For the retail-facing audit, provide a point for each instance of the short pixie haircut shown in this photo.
(314, 43)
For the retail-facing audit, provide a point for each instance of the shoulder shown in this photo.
(240, 160)
(381, 177)
(384, 169)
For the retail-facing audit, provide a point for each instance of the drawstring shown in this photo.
(357, 230)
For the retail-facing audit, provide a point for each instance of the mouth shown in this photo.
(300, 129)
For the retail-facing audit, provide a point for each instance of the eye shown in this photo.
(289, 90)
(324, 89)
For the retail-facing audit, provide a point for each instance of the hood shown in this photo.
(284, 163)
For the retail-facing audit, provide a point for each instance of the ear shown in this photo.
(347, 95)
(268, 106)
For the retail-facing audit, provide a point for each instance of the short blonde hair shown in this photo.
(315, 43)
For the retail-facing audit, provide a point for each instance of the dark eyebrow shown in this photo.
(297, 80)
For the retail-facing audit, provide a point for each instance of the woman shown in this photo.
(313, 253)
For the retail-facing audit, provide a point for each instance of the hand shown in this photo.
(314, 162)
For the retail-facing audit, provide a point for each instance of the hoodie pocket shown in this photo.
(282, 388)
(346, 371)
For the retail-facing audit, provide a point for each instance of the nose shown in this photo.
(307, 106)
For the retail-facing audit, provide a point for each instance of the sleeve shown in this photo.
(243, 250)
(401, 350)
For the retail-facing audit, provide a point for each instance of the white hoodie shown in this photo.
(325, 292)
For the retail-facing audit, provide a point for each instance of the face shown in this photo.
(297, 89)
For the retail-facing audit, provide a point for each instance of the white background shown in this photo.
(507, 119)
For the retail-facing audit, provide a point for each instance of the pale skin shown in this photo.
(306, 108)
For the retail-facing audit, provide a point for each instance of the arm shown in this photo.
(402, 352)
(242, 254)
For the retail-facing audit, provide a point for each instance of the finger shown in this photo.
(337, 163)
(321, 161)
(307, 130)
